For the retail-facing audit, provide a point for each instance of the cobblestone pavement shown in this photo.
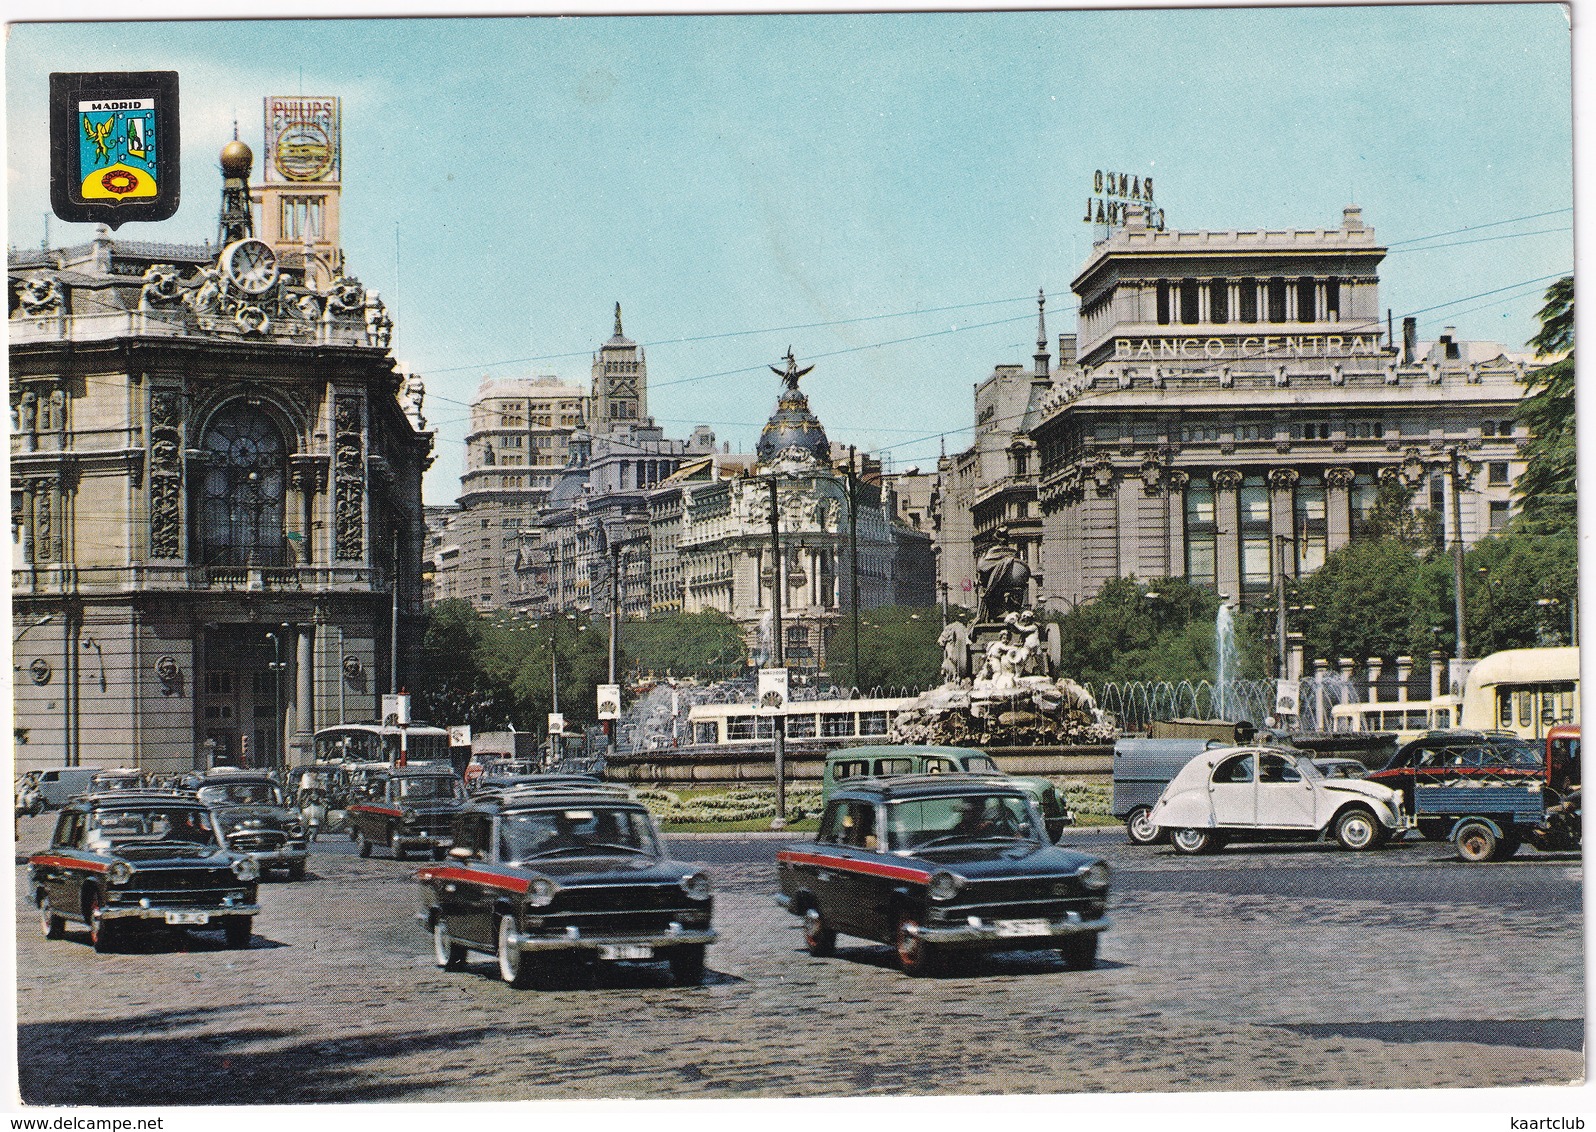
(1278, 968)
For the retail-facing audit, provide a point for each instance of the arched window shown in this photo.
(240, 486)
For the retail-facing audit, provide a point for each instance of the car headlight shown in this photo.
(945, 885)
(540, 893)
(295, 829)
(697, 886)
(120, 872)
(246, 869)
(1094, 875)
(407, 815)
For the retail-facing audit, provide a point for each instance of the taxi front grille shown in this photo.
(619, 898)
(257, 840)
(148, 882)
(612, 923)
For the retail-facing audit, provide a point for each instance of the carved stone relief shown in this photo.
(349, 484)
(166, 474)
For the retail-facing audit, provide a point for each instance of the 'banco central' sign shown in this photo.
(1230, 347)
(1113, 192)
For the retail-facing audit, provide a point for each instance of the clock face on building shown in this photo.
(251, 266)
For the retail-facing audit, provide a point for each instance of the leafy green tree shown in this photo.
(1369, 600)
(1392, 517)
(897, 649)
(1125, 634)
(708, 645)
(1548, 485)
(463, 680)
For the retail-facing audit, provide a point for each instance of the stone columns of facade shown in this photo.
(1204, 300)
(1282, 520)
(303, 711)
(1338, 507)
(1437, 674)
(1175, 523)
(1373, 666)
(1227, 539)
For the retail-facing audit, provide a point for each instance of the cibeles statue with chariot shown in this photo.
(1001, 683)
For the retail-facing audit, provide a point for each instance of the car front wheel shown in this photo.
(397, 845)
(1357, 829)
(102, 932)
(238, 930)
(1140, 829)
(1193, 840)
(365, 846)
(446, 953)
(818, 938)
(513, 967)
(687, 965)
(53, 926)
(1080, 952)
(915, 956)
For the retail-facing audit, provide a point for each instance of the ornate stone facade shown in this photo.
(1244, 379)
(180, 569)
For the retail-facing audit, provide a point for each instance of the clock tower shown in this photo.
(620, 383)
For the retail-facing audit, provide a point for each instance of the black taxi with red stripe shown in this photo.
(407, 808)
(939, 864)
(541, 873)
(132, 858)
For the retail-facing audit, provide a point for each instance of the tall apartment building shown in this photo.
(516, 446)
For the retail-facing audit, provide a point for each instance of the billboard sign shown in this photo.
(771, 695)
(302, 138)
(609, 701)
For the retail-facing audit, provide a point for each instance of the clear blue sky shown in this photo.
(734, 181)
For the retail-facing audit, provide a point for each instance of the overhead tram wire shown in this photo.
(1476, 227)
(1014, 418)
(745, 333)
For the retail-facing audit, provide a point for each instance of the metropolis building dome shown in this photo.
(792, 425)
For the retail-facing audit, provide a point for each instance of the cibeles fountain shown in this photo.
(1000, 680)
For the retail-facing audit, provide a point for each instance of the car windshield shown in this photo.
(429, 789)
(924, 822)
(1517, 754)
(575, 831)
(149, 824)
(241, 794)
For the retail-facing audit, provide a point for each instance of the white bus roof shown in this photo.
(1514, 666)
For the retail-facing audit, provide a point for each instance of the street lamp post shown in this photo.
(1457, 553)
(779, 727)
(277, 665)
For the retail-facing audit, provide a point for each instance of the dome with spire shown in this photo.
(792, 425)
(237, 159)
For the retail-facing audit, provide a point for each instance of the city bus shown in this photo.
(382, 743)
(812, 722)
(1525, 691)
(1522, 691)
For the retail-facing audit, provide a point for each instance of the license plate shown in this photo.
(626, 951)
(1020, 927)
(188, 917)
